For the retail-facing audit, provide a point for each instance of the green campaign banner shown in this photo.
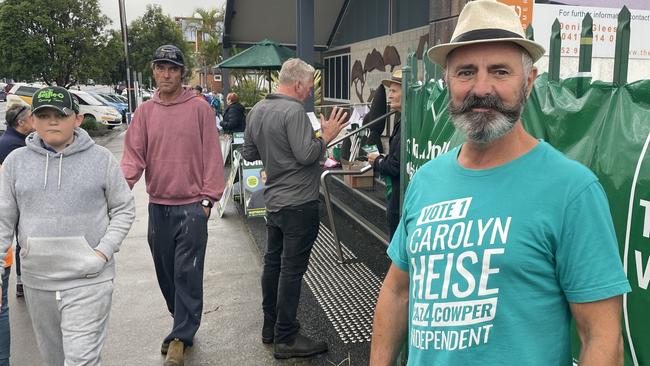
(254, 178)
(603, 126)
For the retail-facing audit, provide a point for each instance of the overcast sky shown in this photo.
(136, 8)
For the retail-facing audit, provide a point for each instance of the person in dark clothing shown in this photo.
(234, 117)
(388, 165)
(198, 91)
(279, 133)
(377, 108)
(19, 125)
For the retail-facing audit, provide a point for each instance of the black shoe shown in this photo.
(164, 347)
(300, 347)
(19, 290)
(268, 331)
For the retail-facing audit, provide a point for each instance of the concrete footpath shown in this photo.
(230, 333)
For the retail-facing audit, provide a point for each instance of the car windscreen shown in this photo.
(87, 99)
(26, 91)
(110, 98)
(100, 98)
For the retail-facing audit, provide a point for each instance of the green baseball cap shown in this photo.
(55, 97)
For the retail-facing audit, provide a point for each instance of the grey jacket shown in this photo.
(65, 205)
(279, 133)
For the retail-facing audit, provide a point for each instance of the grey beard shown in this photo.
(486, 127)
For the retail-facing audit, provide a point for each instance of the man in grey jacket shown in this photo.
(73, 209)
(279, 133)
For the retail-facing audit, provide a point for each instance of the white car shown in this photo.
(89, 106)
(21, 93)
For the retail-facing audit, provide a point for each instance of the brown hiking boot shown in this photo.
(175, 353)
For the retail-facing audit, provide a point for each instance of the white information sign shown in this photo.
(604, 29)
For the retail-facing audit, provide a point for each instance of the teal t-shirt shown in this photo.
(495, 256)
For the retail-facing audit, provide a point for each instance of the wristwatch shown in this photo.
(206, 203)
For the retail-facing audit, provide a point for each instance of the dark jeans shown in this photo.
(5, 337)
(291, 233)
(177, 238)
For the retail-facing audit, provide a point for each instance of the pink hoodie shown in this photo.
(177, 144)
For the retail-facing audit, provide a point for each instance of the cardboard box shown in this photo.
(364, 180)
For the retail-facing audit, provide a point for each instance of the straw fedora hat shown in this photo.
(396, 78)
(485, 21)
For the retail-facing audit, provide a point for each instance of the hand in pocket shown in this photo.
(101, 255)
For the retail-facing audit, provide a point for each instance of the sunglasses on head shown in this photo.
(167, 53)
(15, 119)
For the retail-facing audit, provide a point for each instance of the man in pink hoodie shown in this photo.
(173, 138)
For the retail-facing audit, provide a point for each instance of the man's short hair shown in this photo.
(198, 88)
(16, 113)
(295, 69)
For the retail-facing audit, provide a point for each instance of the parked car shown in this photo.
(21, 93)
(116, 98)
(146, 94)
(90, 107)
(112, 103)
(121, 98)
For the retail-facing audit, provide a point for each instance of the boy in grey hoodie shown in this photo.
(73, 209)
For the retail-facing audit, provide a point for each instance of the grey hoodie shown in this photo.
(66, 205)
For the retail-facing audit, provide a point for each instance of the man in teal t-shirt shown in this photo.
(502, 240)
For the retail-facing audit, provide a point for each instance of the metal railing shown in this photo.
(329, 173)
(328, 202)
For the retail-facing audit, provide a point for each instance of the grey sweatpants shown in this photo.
(70, 325)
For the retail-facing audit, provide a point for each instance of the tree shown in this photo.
(56, 41)
(111, 67)
(209, 31)
(150, 31)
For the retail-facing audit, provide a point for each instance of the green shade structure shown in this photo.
(265, 55)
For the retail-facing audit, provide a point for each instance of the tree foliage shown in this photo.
(209, 29)
(150, 31)
(56, 41)
(110, 67)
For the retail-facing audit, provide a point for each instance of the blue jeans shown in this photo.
(291, 235)
(5, 337)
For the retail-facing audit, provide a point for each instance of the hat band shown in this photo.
(483, 34)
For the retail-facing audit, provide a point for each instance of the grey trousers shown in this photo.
(71, 325)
